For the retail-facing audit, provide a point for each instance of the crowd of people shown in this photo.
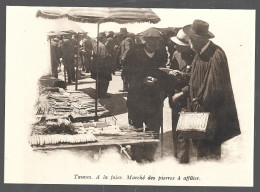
(198, 81)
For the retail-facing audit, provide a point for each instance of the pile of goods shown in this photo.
(59, 139)
(61, 131)
(100, 128)
(75, 104)
(60, 115)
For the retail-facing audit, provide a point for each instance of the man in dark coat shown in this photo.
(126, 47)
(69, 49)
(210, 90)
(102, 62)
(55, 56)
(112, 50)
(179, 76)
(87, 52)
(145, 93)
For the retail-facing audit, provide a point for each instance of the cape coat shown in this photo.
(210, 84)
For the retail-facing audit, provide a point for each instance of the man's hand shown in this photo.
(175, 72)
(176, 97)
(150, 80)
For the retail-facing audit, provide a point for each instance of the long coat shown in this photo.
(210, 84)
(101, 62)
(142, 98)
(55, 55)
(69, 49)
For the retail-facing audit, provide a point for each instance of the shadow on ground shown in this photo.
(116, 104)
(82, 82)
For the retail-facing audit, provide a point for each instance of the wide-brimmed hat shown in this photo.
(181, 38)
(199, 29)
(151, 33)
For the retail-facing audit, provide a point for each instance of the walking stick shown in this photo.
(96, 116)
(162, 133)
(51, 57)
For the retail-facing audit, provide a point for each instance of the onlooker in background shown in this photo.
(102, 66)
(118, 37)
(111, 46)
(110, 34)
(87, 49)
(210, 90)
(127, 46)
(122, 35)
(123, 32)
(69, 49)
(55, 56)
(170, 44)
(180, 76)
(138, 40)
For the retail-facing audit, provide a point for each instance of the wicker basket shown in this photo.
(193, 125)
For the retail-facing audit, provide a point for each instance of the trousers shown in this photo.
(145, 152)
(205, 149)
(102, 86)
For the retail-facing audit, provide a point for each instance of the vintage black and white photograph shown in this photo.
(129, 96)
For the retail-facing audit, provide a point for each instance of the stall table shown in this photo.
(120, 140)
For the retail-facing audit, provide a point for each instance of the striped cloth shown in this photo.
(101, 15)
(52, 13)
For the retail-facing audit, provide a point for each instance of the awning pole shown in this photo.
(64, 68)
(97, 72)
(51, 57)
(77, 61)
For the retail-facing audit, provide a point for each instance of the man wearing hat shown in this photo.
(110, 34)
(124, 32)
(146, 90)
(86, 51)
(102, 65)
(113, 50)
(69, 49)
(126, 47)
(210, 91)
(179, 76)
(55, 56)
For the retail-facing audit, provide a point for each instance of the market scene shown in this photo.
(159, 92)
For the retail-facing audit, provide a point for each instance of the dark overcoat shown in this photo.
(55, 55)
(142, 98)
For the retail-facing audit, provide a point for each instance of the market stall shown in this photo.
(65, 119)
(72, 119)
(75, 105)
(99, 16)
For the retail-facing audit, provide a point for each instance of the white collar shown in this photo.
(204, 48)
(149, 54)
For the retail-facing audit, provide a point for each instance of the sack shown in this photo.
(194, 125)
